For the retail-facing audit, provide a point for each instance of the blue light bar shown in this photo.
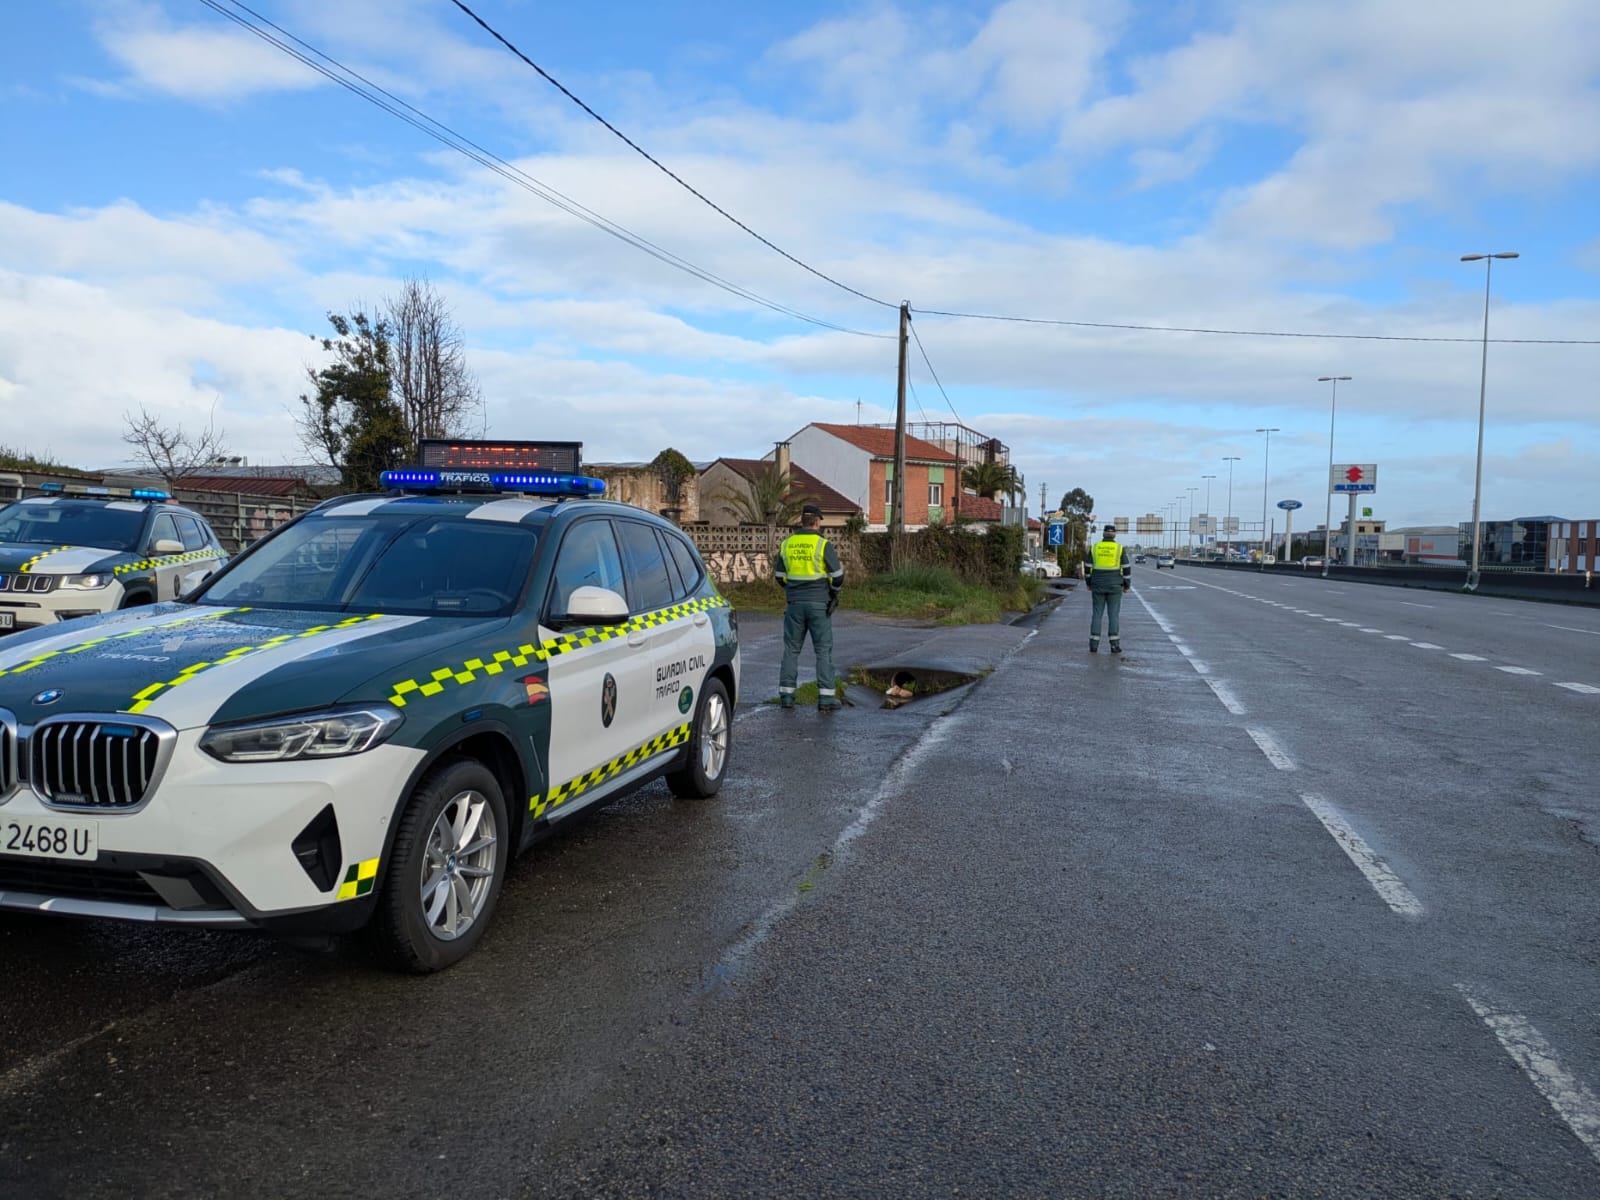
(150, 494)
(51, 487)
(528, 483)
(55, 488)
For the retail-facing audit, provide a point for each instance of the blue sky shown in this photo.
(183, 203)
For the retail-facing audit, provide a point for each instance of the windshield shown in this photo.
(73, 523)
(399, 563)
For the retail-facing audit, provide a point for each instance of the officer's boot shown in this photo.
(1094, 643)
(1116, 645)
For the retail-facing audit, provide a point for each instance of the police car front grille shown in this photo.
(88, 764)
(8, 754)
(27, 583)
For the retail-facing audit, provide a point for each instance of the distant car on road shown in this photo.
(1316, 560)
(1041, 568)
(1138, 558)
(1166, 560)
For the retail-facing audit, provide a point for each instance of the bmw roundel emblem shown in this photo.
(48, 696)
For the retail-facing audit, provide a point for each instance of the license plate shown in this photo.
(5, 620)
(54, 838)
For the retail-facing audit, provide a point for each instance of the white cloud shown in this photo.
(205, 64)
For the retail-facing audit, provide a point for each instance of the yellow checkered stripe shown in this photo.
(493, 664)
(91, 643)
(557, 796)
(143, 698)
(166, 560)
(28, 566)
(359, 879)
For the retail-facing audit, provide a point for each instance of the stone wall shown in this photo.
(738, 553)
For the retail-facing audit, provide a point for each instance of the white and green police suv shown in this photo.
(361, 719)
(77, 550)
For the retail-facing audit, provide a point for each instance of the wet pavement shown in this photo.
(1071, 930)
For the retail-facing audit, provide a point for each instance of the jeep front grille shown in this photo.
(92, 763)
(27, 583)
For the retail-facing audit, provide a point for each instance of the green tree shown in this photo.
(674, 470)
(988, 479)
(767, 499)
(351, 420)
(1079, 508)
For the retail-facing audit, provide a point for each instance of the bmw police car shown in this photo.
(79, 550)
(361, 719)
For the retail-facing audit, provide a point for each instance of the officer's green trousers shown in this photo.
(800, 618)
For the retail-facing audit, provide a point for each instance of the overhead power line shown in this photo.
(662, 167)
(1352, 337)
(358, 84)
(913, 327)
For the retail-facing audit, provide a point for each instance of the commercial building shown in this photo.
(1573, 546)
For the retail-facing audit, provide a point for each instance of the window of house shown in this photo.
(935, 495)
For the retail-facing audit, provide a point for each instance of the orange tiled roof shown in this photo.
(879, 442)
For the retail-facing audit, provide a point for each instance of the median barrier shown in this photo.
(1513, 585)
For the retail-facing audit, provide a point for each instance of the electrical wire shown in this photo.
(912, 326)
(344, 76)
(1359, 337)
(660, 166)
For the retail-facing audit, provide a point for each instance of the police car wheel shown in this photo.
(445, 873)
(709, 742)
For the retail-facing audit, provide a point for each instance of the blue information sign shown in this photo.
(1055, 534)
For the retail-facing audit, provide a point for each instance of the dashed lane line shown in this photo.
(1229, 700)
(1574, 1103)
(1426, 646)
(1269, 746)
(1584, 688)
(1384, 881)
(1519, 671)
(1470, 657)
(1397, 637)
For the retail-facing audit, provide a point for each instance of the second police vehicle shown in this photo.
(77, 550)
(361, 720)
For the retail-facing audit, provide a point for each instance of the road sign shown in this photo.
(1366, 512)
(1290, 505)
(1353, 477)
(1055, 534)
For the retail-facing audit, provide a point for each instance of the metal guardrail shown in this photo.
(1509, 583)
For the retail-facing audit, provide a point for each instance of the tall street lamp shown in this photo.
(1227, 527)
(1327, 527)
(1210, 520)
(1483, 380)
(1188, 530)
(1266, 463)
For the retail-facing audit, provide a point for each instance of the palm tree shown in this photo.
(988, 479)
(766, 499)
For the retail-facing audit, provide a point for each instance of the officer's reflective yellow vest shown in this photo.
(1107, 556)
(803, 557)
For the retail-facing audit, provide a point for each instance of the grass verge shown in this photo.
(918, 593)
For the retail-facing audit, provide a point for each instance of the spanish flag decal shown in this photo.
(537, 691)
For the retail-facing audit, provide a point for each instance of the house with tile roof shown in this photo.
(736, 474)
(857, 461)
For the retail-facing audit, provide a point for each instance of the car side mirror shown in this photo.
(594, 606)
(167, 546)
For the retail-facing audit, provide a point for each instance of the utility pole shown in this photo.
(897, 518)
(1043, 487)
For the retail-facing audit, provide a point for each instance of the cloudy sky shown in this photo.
(182, 203)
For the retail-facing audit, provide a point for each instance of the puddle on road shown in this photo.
(901, 685)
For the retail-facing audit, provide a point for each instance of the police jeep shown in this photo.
(77, 550)
(360, 721)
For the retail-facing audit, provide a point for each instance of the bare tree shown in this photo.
(170, 450)
(436, 391)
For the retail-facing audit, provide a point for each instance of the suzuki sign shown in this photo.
(1353, 477)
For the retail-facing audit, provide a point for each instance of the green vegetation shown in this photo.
(760, 595)
(12, 459)
(938, 594)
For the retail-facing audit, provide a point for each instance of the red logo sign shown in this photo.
(1354, 474)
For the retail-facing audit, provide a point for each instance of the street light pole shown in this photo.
(1210, 520)
(1483, 383)
(1227, 528)
(1266, 463)
(1327, 519)
(1188, 530)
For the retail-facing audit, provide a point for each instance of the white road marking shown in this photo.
(1414, 604)
(1470, 657)
(1372, 631)
(1229, 700)
(1350, 624)
(1574, 1103)
(1396, 637)
(1519, 671)
(1426, 646)
(1384, 881)
(1271, 749)
(1586, 689)
(1312, 614)
(1574, 629)
(1333, 619)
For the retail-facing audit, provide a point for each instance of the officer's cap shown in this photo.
(1111, 530)
(811, 510)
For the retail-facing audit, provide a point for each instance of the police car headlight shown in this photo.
(85, 583)
(315, 735)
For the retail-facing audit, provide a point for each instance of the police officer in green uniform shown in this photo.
(1110, 575)
(808, 570)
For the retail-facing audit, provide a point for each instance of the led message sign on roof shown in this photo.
(499, 455)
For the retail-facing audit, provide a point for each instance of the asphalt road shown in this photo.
(1269, 905)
